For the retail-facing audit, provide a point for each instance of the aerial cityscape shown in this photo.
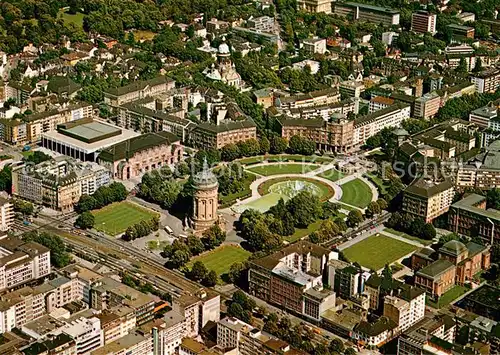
(249, 177)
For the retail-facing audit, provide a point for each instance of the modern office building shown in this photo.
(367, 13)
(428, 198)
(483, 116)
(461, 31)
(423, 22)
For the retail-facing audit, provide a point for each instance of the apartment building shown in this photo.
(352, 88)
(486, 81)
(58, 183)
(483, 116)
(137, 90)
(423, 22)
(233, 333)
(314, 98)
(109, 293)
(32, 127)
(428, 198)
(22, 262)
(207, 135)
(379, 103)
(328, 112)
(285, 277)
(135, 343)
(345, 279)
(315, 6)
(314, 45)
(481, 171)
(20, 307)
(334, 135)
(406, 308)
(427, 105)
(171, 332)
(261, 23)
(83, 280)
(6, 214)
(367, 13)
(61, 344)
(369, 125)
(417, 337)
(18, 91)
(116, 323)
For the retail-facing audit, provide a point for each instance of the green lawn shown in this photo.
(222, 258)
(376, 251)
(76, 19)
(407, 236)
(302, 232)
(326, 191)
(285, 158)
(114, 219)
(28, 153)
(332, 175)
(448, 297)
(156, 244)
(382, 187)
(356, 193)
(277, 169)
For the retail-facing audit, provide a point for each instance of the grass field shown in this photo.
(221, 259)
(76, 19)
(141, 35)
(332, 175)
(376, 251)
(448, 297)
(277, 169)
(326, 191)
(302, 232)
(284, 158)
(114, 219)
(356, 193)
(410, 237)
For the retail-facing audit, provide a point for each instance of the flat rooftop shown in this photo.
(91, 136)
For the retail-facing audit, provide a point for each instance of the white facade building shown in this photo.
(86, 332)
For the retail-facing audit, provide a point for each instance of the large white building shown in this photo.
(6, 214)
(170, 334)
(487, 81)
(86, 332)
(21, 262)
(369, 125)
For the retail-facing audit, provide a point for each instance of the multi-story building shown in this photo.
(135, 343)
(315, 6)
(406, 308)
(22, 262)
(208, 135)
(469, 216)
(486, 81)
(233, 333)
(314, 98)
(86, 332)
(116, 323)
(417, 337)
(376, 333)
(136, 156)
(428, 198)
(264, 97)
(58, 183)
(427, 105)
(137, 90)
(328, 112)
(18, 91)
(379, 103)
(461, 31)
(352, 88)
(315, 45)
(83, 280)
(33, 126)
(483, 115)
(171, 332)
(335, 135)
(481, 171)
(61, 344)
(457, 263)
(20, 307)
(262, 23)
(467, 17)
(285, 277)
(369, 125)
(109, 293)
(423, 22)
(6, 214)
(367, 13)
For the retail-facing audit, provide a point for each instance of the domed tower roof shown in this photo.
(453, 247)
(205, 178)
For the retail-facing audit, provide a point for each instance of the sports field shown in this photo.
(377, 250)
(356, 193)
(114, 219)
(221, 259)
(332, 175)
(277, 169)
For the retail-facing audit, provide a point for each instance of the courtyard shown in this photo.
(378, 250)
(114, 219)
